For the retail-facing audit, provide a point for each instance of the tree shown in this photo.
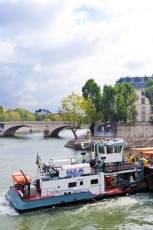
(93, 91)
(25, 115)
(127, 109)
(1, 109)
(1, 113)
(11, 115)
(118, 103)
(78, 111)
(149, 91)
(108, 103)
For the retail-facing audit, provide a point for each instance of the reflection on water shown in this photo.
(128, 212)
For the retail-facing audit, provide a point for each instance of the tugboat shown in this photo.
(62, 182)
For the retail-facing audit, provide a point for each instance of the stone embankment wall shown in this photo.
(140, 135)
(140, 130)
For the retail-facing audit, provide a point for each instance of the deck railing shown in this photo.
(121, 167)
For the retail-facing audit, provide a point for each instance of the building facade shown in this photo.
(143, 107)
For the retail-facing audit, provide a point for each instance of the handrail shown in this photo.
(121, 167)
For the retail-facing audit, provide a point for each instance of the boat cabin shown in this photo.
(108, 151)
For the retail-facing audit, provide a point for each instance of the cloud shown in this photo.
(50, 48)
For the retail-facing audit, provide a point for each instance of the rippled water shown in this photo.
(129, 212)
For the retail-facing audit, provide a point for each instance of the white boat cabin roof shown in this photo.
(107, 142)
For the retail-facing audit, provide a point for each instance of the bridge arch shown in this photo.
(11, 131)
(54, 132)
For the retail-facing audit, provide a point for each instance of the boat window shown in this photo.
(94, 181)
(81, 182)
(109, 149)
(117, 149)
(101, 149)
(72, 184)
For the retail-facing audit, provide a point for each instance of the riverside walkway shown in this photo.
(50, 129)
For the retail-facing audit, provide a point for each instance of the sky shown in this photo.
(50, 48)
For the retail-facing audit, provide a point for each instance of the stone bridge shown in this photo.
(50, 129)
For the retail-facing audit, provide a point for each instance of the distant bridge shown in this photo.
(50, 129)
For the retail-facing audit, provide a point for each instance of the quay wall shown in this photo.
(140, 130)
(140, 135)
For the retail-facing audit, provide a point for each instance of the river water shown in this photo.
(129, 213)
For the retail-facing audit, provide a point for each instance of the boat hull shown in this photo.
(22, 205)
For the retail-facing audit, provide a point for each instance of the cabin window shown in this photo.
(117, 149)
(72, 184)
(94, 181)
(81, 182)
(109, 149)
(101, 149)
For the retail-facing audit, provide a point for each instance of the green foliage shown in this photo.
(118, 103)
(93, 91)
(57, 117)
(78, 111)
(149, 91)
(127, 109)
(12, 115)
(1, 113)
(150, 82)
(1, 109)
(24, 115)
(108, 103)
(44, 117)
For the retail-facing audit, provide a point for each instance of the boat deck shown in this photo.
(109, 191)
(34, 197)
(118, 190)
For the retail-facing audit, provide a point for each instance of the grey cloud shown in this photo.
(62, 53)
(25, 16)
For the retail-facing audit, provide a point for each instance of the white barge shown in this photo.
(107, 173)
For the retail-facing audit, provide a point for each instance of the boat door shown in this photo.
(80, 184)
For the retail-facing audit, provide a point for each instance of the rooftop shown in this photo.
(137, 82)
